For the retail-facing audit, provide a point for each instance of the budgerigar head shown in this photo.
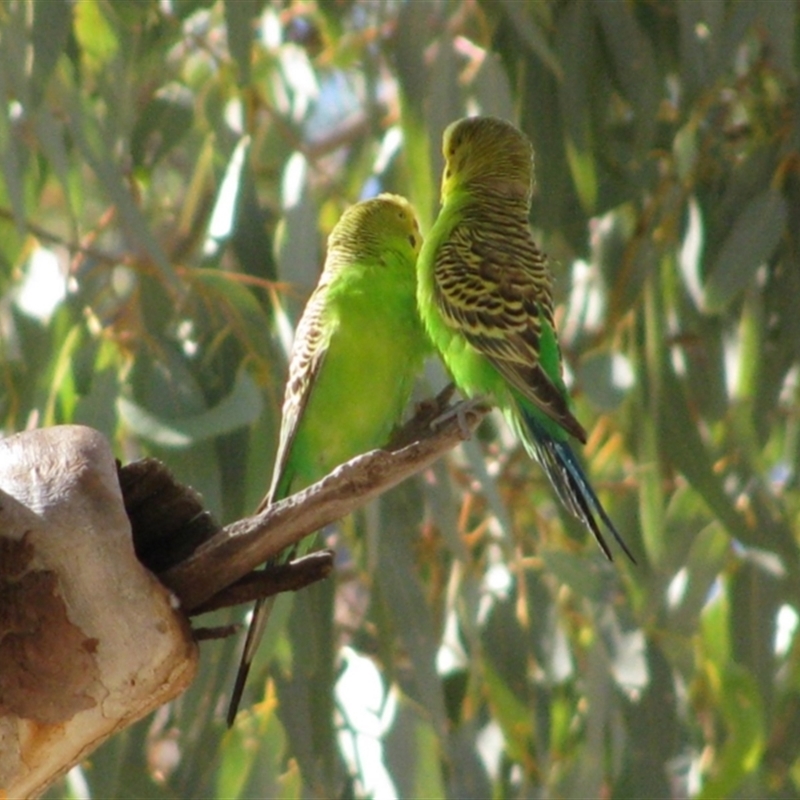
(487, 152)
(371, 228)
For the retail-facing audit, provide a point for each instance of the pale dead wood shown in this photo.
(90, 641)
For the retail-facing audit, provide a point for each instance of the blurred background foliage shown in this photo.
(170, 169)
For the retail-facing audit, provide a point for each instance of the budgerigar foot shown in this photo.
(421, 424)
(460, 411)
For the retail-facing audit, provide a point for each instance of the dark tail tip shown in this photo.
(236, 694)
(572, 486)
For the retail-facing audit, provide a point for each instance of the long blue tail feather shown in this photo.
(568, 478)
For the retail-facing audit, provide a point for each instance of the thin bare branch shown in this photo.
(244, 545)
(273, 580)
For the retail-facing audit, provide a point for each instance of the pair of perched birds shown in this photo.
(480, 293)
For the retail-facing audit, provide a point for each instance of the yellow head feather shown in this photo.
(368, 228)
(489, 153)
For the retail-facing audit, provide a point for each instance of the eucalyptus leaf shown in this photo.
(240, 18)
(241, 407)
(752, 241)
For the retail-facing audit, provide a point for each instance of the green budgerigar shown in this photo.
(484, 295)
(357, 350)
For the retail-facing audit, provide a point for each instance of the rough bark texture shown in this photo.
(90, 641)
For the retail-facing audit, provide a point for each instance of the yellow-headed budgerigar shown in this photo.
(484, 295)
(357, 350)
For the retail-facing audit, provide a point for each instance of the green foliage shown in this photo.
(183, 161)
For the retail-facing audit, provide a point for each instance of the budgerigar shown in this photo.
(484, 295)
(357, 350)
